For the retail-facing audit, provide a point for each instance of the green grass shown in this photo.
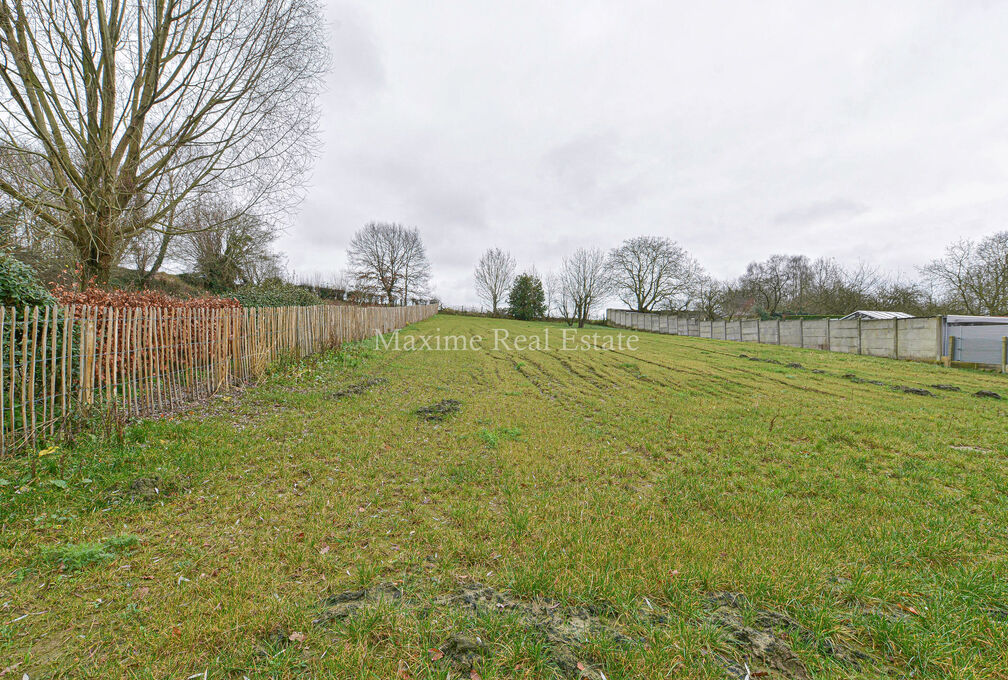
(874, 518)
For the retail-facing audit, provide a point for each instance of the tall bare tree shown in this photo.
(974, 275)
(389, 259)
(108, 100)
(649, 271)
(584, 282)
(416, 268)
(494, 274)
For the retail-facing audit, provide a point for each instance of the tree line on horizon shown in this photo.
(652, 273)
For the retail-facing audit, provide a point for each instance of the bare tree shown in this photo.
(391, 259)
(494, 274)
(226, 246)
(708, 293)
(111, 100)
(974, 275)
(770, 281)
(584, 282)
(416, 268)
(648, 271)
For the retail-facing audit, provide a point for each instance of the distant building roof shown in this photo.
(875, 314)
(973, 320)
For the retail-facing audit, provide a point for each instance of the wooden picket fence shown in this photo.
(61, 360)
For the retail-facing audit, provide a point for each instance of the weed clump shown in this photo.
(440, 410)
(493, 438)
(76, 556)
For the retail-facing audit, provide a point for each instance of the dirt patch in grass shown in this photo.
(987, 394)
(439, 411)
(913, 390)
(758, 641)
(359, 388)
(946, 388)
(564, 629)
(341, 605)
(152, 489)
(762, 637)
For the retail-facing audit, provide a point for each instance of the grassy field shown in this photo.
(673, 510)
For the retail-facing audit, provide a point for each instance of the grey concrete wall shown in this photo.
(920, 339)
(916, 339)
(750, 330)
(791, 332)
(815, 334)
(768, 331)
(733, 330)
(844, 336)
(878, 337)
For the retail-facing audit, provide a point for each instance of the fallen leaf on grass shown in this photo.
(435, 654)
(324, 550)
(296, 636)
(473, 675)
(908, 608)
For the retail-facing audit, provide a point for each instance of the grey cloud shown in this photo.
(835, 209)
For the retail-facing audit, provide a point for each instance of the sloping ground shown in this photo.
(671, 511)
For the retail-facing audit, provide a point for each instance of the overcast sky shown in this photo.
(866, 131)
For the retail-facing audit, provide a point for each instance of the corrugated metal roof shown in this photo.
(966, 319)
(876, 314)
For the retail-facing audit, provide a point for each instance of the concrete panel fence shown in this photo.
(918, 339)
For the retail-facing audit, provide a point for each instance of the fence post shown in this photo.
(1004, 353)
(778, 332)
(895, 339)
(801, 333)
(859, 335)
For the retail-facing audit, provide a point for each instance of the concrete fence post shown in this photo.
(859, 341)
(1004, 353)
(759, 338)
(801, 333)
(829, 341)
(895, 338)
(778, 332)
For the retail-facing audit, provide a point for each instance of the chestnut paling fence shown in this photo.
(61, 360)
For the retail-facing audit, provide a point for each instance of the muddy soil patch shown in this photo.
(439, 411)
(913, 390)
(946, 388)
(986, 394)
(756, 639)
(151, 489)
(763, 639)
(359, 388)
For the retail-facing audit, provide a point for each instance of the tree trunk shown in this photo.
(158, 261)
